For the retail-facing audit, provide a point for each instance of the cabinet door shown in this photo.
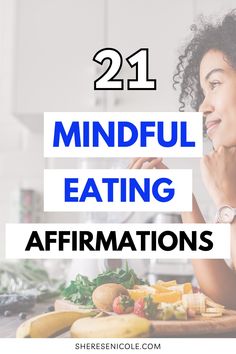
(55, 44)
(161, 26)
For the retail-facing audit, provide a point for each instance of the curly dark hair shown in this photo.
(220, 36)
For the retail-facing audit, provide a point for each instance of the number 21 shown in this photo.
(107, 80)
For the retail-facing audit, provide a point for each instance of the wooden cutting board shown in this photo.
(197, 326)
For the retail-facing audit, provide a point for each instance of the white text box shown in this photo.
(142, 129)
(120, 195)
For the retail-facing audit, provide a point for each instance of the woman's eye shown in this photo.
(214, 83)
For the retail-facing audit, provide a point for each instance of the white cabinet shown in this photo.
(55, 44)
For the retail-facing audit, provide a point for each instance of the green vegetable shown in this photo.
(80, 290)
(125, 277)
(150, 308)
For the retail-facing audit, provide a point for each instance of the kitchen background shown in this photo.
(46, 51)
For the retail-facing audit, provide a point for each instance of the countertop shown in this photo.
(8, 325)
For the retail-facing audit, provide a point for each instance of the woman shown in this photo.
(206, 73)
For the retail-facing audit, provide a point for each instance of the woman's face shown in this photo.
(218, 82)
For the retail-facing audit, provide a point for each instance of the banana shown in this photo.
(122, 326)
(51, 323)
(213, 304)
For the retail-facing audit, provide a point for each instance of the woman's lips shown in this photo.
(211, 126)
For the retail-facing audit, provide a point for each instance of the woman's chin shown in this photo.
(217, 143)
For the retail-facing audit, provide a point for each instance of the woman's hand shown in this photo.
(219, 175)
(147, 163)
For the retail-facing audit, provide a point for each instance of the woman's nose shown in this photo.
(206, 106)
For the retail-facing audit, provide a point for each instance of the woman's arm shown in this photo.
(233, 245)
(215, 278)
(219, 176)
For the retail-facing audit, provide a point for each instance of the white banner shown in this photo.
(120, 345)
(123, 134)
(117, 190)
(124, 241)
